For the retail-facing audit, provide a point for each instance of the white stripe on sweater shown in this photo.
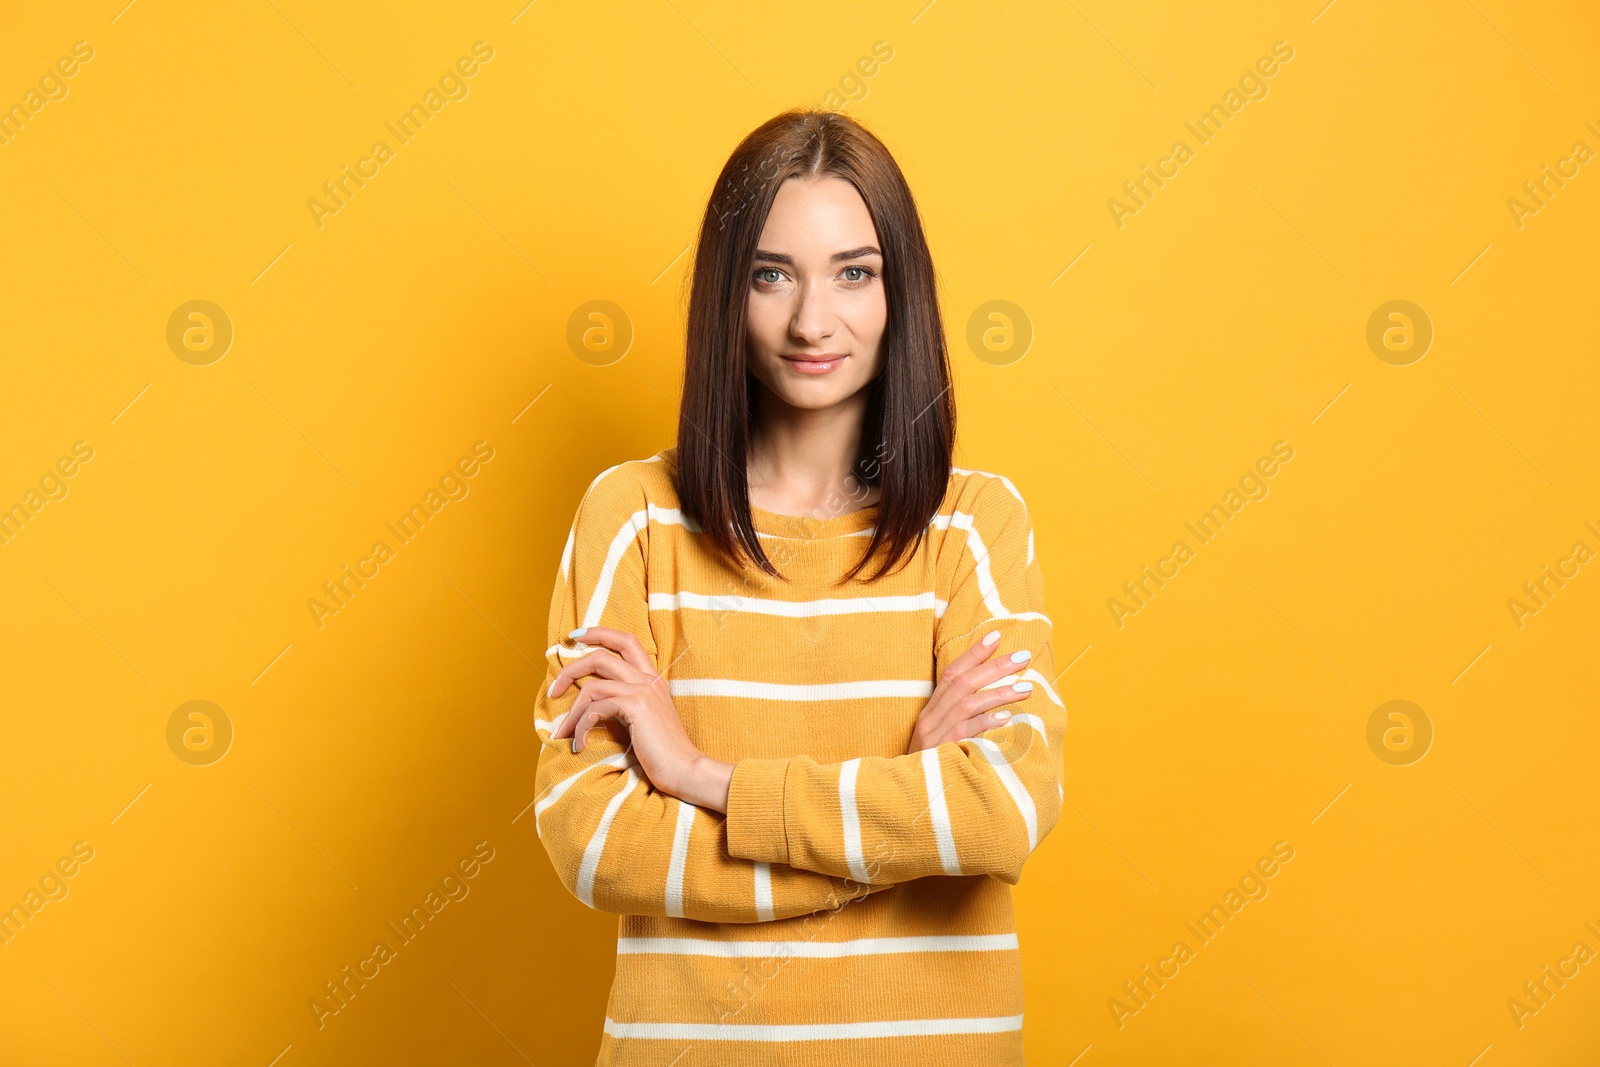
(960, 520)
(670, 517)
(816, 950)
(764, 892)
(597, 843)
(939, 813)
(737, 687)
(680, 857)
(1035, 722)
(1038, 679)
(636, 522)
(1004, 480)
(1019, 792)
(777, 691)
(621, 759)
(851, 820)
(566, 553)
(620, 543)
(577, 650)
(993, 1024)
(797, 609)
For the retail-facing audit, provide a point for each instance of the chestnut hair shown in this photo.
(908, 434)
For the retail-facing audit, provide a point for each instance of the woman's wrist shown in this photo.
(705, 783)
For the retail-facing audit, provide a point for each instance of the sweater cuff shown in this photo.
(755, 821)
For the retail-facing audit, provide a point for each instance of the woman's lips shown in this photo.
(814, 366)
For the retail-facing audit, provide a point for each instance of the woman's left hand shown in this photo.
(627, 688)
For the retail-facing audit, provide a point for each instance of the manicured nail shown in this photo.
(992, 637)
(551, 691)
(1021, 657)
(1023, 687)
(578, 632)
(1002, 715)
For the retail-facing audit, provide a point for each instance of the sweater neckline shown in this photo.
(810, 526)
(801, 526)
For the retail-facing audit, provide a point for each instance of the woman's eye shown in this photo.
(762, 272)
(864, 272)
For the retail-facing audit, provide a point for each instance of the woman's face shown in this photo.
(816, 310)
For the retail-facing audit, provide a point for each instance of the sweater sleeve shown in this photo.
(975, 806)
(617, 843)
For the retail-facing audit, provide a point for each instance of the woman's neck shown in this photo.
(802, 461)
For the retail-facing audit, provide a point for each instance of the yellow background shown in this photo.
(369, 354)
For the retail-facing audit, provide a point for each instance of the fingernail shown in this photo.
(1023, 687)
(1021, 657)
(1002, 715)
(578, 632)
(992, 637)
(551, 691)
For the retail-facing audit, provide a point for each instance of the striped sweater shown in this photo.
(853, 905)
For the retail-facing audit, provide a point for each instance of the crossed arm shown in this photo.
(637, 821)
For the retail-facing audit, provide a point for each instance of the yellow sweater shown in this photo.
(853, 906)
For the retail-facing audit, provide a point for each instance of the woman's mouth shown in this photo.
(818, 364)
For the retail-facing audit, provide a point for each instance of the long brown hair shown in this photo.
(908, 434)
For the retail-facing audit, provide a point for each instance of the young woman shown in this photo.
(779, 736)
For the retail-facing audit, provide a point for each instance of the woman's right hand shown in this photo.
(960, 706)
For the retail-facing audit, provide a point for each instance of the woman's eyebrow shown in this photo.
(854, 253)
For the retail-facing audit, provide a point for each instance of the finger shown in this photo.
(565, 722)
(598, 689)
(591, 691)
(993, 671)
(964, 676)
(980, 651)
(597, 713)
(939, 714)
(991, 720)
(974, 693)
(976, 716)
(583, 722)
(986, 700)
(599, 662)
(625, 644)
